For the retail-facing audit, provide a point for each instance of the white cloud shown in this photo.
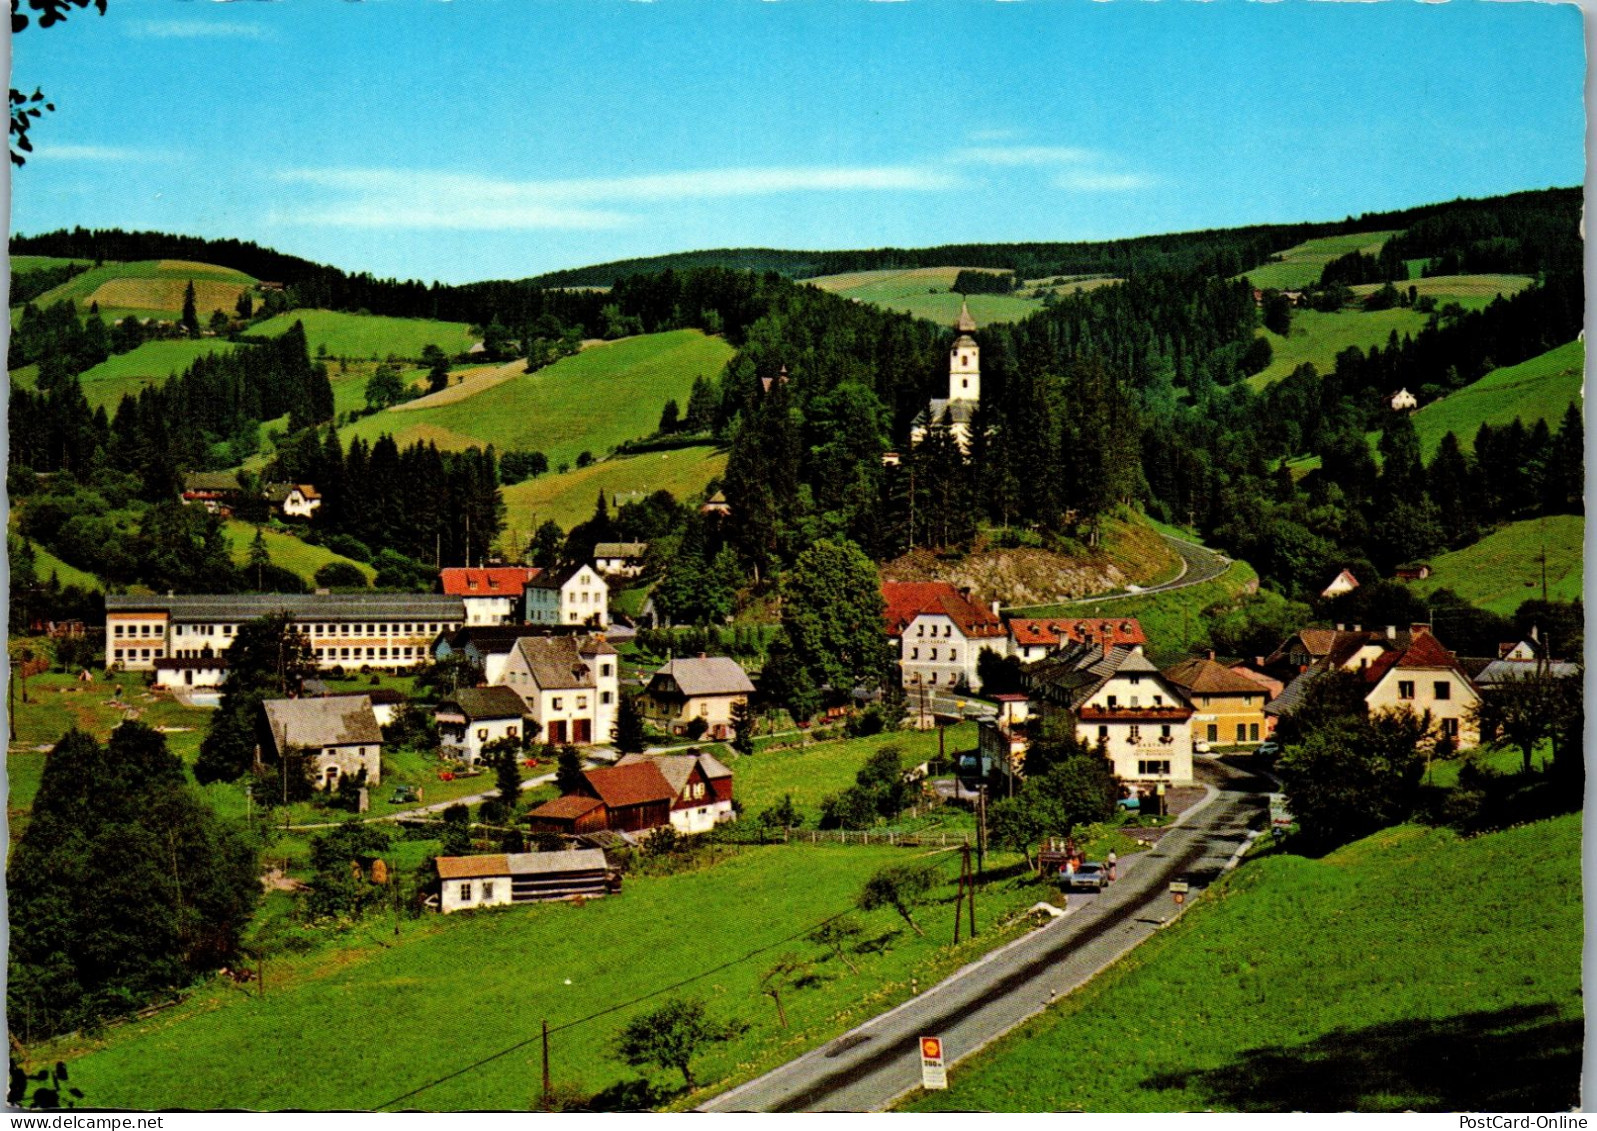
(194, 29)
(990, 135)
(1022, 155)
(418, 199)
(1089, 181)
(96, 153)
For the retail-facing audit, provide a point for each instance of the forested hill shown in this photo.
(1218, 251)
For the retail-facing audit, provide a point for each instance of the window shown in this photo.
(1155, 767)
(1443, 689)
(933, 678)
(465, 893)
(1112, 703)
(582, 702)
(119, 653)
(1253, 732)
(1158, 700)
(1205, 700)
(1450, 727)
(953, 655)
(1214, 733)
(1103, 734)
(1405, 689)
(1164, 732)
(1242, 732)
(604, 671)
(1135, 733)
(604, 697)
(510, 731)
(920, 630)
(914, 653)
(934, 653)
(557, 702)
(1136, 679)
(487, 890)
(482, 733)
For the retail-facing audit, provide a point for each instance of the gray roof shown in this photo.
(533, 863)
(1505, 671)
(1291, 697)
(488, 703)
(192, 607)
(707, 675)
(556, 578)
(676, 768)
(959, 412)
(559, 662)
(339, 720)
(1074, 674)
(620, 549)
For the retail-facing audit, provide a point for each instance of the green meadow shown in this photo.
(590, 402)
(45, 563)
(1300, 266)
(1504, 569)
(1317, 337)
(465, 987)
(152, 363)
(288, 551)
(1541, 388)
(1413, 970)
(1472, 292)
(369, 335)
(568, 499)
(924, 292)
(151, 288)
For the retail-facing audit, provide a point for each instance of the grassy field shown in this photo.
(590, 402)
(568, 499)
(45, 563)
(150, 364)
(370, 335)
(1413, 970)
(20, 263)
(468, 986)
(924, 292)
(1318, 337)
(1472, 292)
(152, 289)
(1504, 568)
(1539, 388)
(1300, 266)
(288, 551)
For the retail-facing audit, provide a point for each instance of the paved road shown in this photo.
(870, 1067)
(1198, 564)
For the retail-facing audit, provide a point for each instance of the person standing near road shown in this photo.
(1113, 859)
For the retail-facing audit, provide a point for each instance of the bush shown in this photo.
(340, 575)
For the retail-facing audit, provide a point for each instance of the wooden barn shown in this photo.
(500, 879)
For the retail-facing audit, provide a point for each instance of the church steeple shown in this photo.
(966, 324)
(964, 360)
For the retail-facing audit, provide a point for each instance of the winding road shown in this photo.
(872, 1066)
(1198, 564)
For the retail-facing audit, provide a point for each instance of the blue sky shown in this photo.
(500, 138)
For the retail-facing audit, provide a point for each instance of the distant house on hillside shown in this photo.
(492, 595)
(704, 687)
(340, 735)
(1343, 582)
(619, 559)
(1404, 401)
(217, 491)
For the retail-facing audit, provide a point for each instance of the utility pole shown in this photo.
(546, 1089)
(981, 834)
(967, 892)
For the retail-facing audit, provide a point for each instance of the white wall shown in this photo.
(463, 895)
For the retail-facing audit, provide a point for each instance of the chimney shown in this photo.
(1341, 628)
(964, 591)
(1391, 632)
(1358, 628)
(1418, 629)
(995, 606)
(703, 656)
(1211, 654)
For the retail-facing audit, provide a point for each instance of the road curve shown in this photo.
(870, 1067)
(1199, 564)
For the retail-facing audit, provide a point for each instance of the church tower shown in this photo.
(964, 360)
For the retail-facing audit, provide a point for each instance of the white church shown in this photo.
(964, 387)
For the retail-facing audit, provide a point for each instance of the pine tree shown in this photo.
(259, 557)
(191, 315)
(630, 738)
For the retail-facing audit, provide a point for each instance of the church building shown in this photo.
(964, 387)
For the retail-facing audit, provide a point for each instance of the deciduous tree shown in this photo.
(672, 1034)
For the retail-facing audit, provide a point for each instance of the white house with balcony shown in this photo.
(574, 595)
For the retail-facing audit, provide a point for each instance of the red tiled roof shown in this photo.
(1207, 677)
(636, 783)
(1425, 651)
(493, 581)
(907, 600)
(1076, 630)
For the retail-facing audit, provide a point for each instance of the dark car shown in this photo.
(403, 795)
(1091, 876)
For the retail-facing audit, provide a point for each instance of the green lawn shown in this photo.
(1472, 292)
(1300, 266)
(379, 1017)
(1542, 387)
(1413, 970)
(45, 563)
(568, 499)
(370, 336)
(590, 402)
(924, 292)
(1504, 568)
(151, 288)
(150, 364)
(813, 772)
(1318, 337)
(21, 263)
(288, 551)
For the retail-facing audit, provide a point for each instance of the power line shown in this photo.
(491, 1057)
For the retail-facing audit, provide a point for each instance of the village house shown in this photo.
(940, 632)
(1229, 707)
(964, 388)
(702, 787)
(474, 717)
(574, 595)
(1032, 638)
(467, 883)
(486, 646)
(619, 559)
(339, 733)
(1343, 582)
(690, 792)
(217, 491)
(1001, 741)
(385, 701)
(293, 500)
(570, 685)
(346, 630)
(1114, 695)
(704, 687)
(492, 595)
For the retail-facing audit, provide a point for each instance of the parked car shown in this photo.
(1269, 750)
(1129, 804)
(403, 795)
(1201, 746)
(1093, 876)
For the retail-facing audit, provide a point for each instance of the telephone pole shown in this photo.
(967, 893)
(546, 1088)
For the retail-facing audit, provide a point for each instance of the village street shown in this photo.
(873, 1065)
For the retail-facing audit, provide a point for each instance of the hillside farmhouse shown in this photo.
(340, 735)
(293, 500)
(217, 491)
(491, 595)
(569, 684)
(704, 687)
(619, 559)
(690, 792)
(359, 630)
(575, 595)
(501, 879)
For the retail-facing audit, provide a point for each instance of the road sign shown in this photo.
(1179, 887)
(933, 1075)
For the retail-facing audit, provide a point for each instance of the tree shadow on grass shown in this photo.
(1525, 1058)
(880, 944)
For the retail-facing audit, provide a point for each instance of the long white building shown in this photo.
(351, 630)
